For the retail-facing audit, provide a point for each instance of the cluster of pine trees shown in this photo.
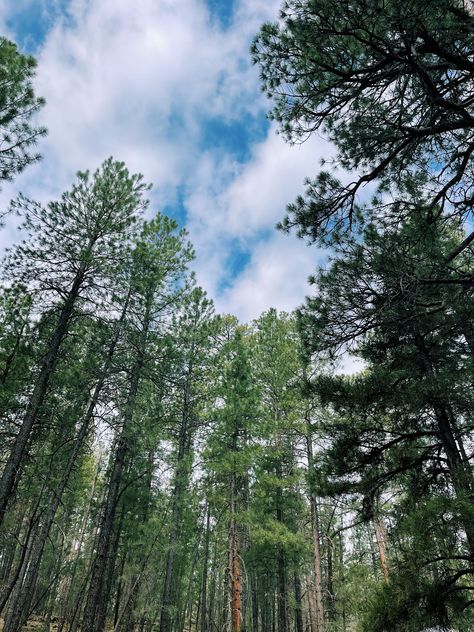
(168, 469)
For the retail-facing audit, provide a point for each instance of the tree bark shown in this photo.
(181, 473)
(461, 476)
(107, 542)
(298, 604)
(25, 589)
(203, 623)
(316, 546)
(381, 541)
(9, 477)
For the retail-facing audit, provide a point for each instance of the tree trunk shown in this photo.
(282, 592)
(236, 589)
(298, 604)
(72, 577)
(461, 476)
(330, 580)
(104, 560)
(9, 477)
(203, 624)
(316, 546)
(341, 567)
(255, 604)
(180, 484)
(233, 570)
(381, 540)
(95, 601)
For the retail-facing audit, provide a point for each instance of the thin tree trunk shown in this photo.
(236, 588)
(330, 580)
(461, 476)
(282, 592)
(255, 604)
(381, 540)
(169, 596)
(298, 604)
(341, 566)
(82, 535)
(311, 606)
(104, 560)
(9, 477)
(95, 602)
(213, 587)
(316, 546)
(203, 624)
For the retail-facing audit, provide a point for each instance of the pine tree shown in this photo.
(18, 105)
(390, 84)
(72, 250)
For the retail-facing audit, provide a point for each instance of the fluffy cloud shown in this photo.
(140, 80)
(275, 276)
(238, 205)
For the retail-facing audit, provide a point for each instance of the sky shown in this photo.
(168, 87)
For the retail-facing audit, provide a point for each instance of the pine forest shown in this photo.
(167, 468)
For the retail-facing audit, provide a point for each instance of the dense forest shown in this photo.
(168, 469)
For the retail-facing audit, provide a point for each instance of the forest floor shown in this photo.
(36, 624)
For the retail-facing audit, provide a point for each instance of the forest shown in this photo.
(167, 468)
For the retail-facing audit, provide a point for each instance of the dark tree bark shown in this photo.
(25, 589)
(316, 546)
(169, 595)
(103, 564)
(13, 464)
(461, 476)
(298, 604)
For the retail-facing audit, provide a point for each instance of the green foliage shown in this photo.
(390, 84)
(18, 105)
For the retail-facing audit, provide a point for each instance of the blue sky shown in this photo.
(169, 88)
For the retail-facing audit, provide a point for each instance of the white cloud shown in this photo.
(135, 79)
(257, 199)
(276, 276)
(232, 204)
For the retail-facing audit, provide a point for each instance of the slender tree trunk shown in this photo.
(316, 546)
(95, 601)
(236, 588)
(203, 624)
(381, 540)
(118, 596)
(213, 588)
(310, 605)
(282, 592)
(298, 604)
(187, 609)
(169, 596)
(341, 567)
(10, 473)
(330, 580)
(461, 476)
(82, 534)
(233, 570)
(255, 604)
(104, 560)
